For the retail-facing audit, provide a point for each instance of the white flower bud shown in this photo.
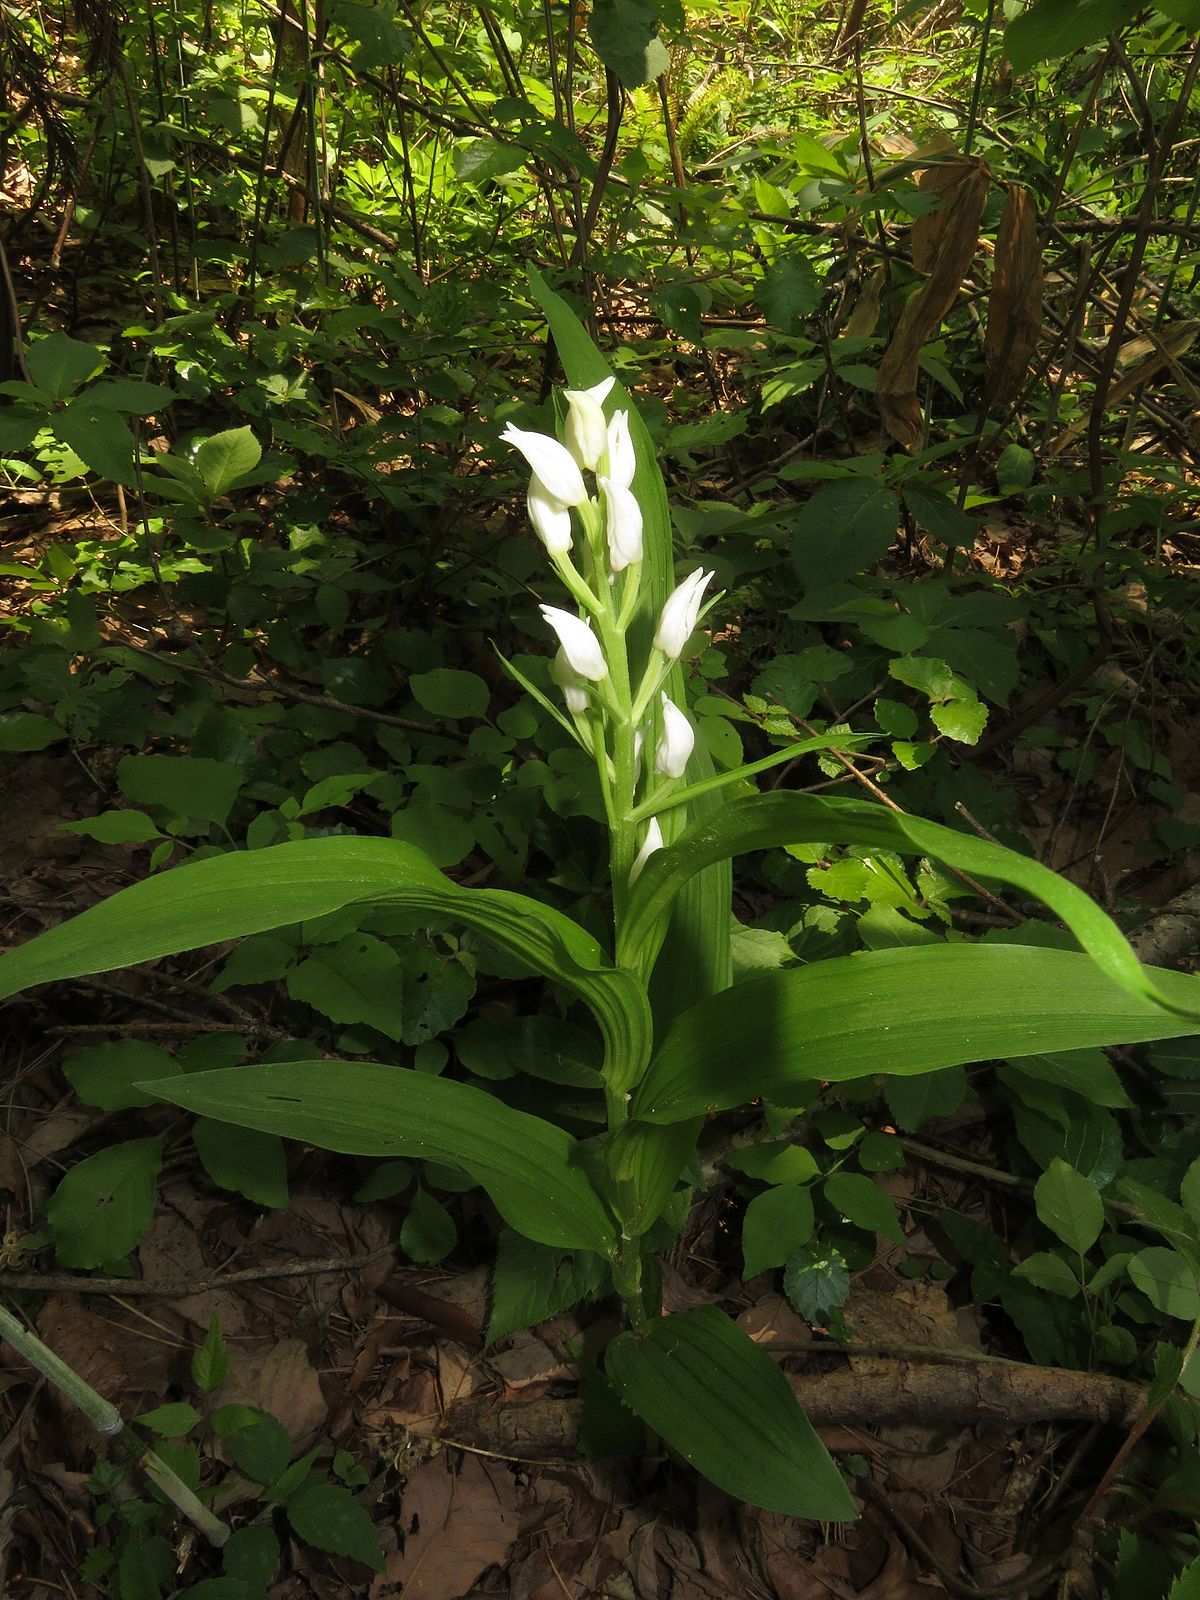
(579, 644)
(622, 464)
(571, 684)
(550, 518)
(586, 431)
(676, 742)
(622, 523)
(678, 620)
(652, 842)
(552, 463)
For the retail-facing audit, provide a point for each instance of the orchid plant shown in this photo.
(680, 1042)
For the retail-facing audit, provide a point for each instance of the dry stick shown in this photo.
(72, 1283)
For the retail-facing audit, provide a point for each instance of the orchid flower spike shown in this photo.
(550, 518)
(676, 742)
(678, 620)
(571, 684)
(622, 463)
(622, 523)
(579, 644)
(586, 431)
(652, 842)
(553, 465)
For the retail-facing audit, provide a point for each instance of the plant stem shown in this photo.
(106, 1419)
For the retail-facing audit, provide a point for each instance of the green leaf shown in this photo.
(789, 292)
(246, 892)
(427, 1233)
(104, 1204)
(1047, 1271)
(1187, 1584)
(23, 731)
(962, 720)
(328, 1517)
(170, 1421)
(1088, 1073)
(261, 1447)
(1189, 1192)
(777, 1224)
(226, 457)
(893, 1011)
(185, 786)
(764, 821)
(864, 1204)
(844, 528)
(624, 35)
(58, 364)
(249, 1163)
(479, 161)
(1051, 29)
(777, 1162)
(210, 1363)
(448, 692)
(531, 1283)
(916, 1100)
(130, 395)
(816, 1283)
(722, 1404)
(108, 1075)
(1168, 1281)
(115, 827)
(1069, 1206)
(527, 1166)
(99, 437)
(359, 979)
(251, 1555)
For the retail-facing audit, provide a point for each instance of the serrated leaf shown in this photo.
(210, 1363)
(624, 33)
(99, 437)
(357, 980)
(701, 1382)
(427, 1233)
(58, 364)
(170, 1421)
(328, 1516)
(249, 1163)
(816, 1283)
(777, 1224)
(531, 1283)
(864, 1203)
(262, 1447)
(104, 1204)
(107, 1075)
(1051, 29)
(1069, 1205)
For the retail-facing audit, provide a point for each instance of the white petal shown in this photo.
(622, 523)
(675, 744)
(571, 684)
(579, 644)
(652, 842)
(622, 463)
(551, 462)
(550, 518)
(678, 620)
(586, 430)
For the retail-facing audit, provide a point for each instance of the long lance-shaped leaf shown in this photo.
(898, 1012)
(762, 821)
(362, 1108)
(230, 896)
(696, 958)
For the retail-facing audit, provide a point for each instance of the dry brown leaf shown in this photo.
(864, 314)
(41, 1135)
(456, 1525)
(1014, 322)
(896, 380)
(280, 1380)
(942, 180)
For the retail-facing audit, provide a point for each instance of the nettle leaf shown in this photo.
(532, 1283)
(777, 1224)
(1069, 1205)
(624, 33)
(359, 979)
(528, 1166)
(108, 1075)
(844, 528)
(887, 1011)
(210, 1364)
(249, 892)
(170, 1421)
(790, 291)
(249, 1163)
(99, 437)
(816, 1282)
(104, 1204)
(58, 364)
(225, 458)
(701, 1382)
(328, 1516)
(1051, 29)
(863, 1203)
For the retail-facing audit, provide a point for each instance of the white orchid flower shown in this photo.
(675, 743)
(587, 431)
(552, 463)
(622, 463)
(571, 684)
(550, 518)
(579, 644)
(652, 842)
(678, 620)
(622, 523)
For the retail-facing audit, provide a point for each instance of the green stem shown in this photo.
(106, 1419)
